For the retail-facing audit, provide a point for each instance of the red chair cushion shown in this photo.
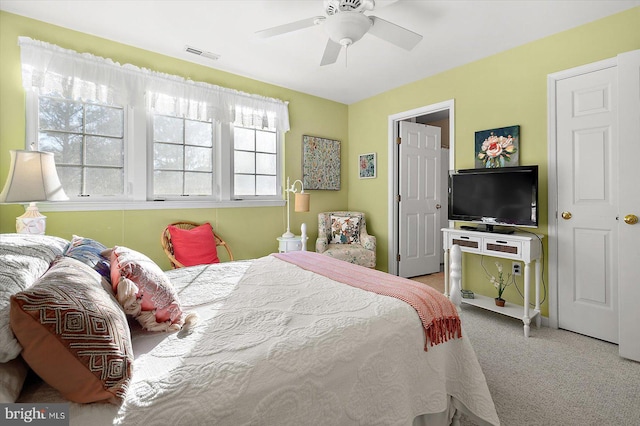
(195, 246)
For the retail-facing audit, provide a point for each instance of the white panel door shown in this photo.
(420, 205)
(587, 152)
(629, 205)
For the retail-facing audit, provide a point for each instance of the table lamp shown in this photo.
(32, 177)
(301, 203)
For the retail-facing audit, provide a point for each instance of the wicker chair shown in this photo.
(165, 239)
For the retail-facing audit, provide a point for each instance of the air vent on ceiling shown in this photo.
(201, 52)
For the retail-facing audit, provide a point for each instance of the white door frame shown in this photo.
(552, 176)
(393, 168)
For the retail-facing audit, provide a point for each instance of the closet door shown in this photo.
(587, 152)
(629, 204)
(597, 259)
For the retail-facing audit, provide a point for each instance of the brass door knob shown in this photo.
(438, 206)
(566, 215)
(631, 219)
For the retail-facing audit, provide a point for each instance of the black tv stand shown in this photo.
(488, 228)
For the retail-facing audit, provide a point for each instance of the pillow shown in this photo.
(345, 229)
(145, 292)
(74, 333)
(12, 377)
(23, 259)
(195, 246)
(89, 251)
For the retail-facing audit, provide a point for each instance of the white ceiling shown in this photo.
(455, 32)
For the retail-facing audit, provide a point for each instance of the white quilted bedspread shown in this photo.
(284, 346)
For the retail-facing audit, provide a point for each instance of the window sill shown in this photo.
(154, 205)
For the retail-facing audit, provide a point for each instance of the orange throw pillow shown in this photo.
(195, 246)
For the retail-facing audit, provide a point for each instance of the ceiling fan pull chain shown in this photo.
(346, 56)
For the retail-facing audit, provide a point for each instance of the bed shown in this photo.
(274, 344)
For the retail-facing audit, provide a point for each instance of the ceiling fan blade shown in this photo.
(393, 33)
(331, 53)
(291, 26)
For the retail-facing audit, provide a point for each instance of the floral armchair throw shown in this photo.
(343, 235)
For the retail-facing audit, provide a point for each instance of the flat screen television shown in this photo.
(506, 196)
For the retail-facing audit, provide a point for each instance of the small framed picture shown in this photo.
(367, 165)
(497, 148)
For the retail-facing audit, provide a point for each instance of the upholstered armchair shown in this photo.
(343, 235)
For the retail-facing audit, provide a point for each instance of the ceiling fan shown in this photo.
(345, 24)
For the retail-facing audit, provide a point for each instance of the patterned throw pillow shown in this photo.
(74, 333)
(144, 291)
(88, 252)
(345, 229)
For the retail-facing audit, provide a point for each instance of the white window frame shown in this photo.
(138, 141)
(279, 163)
(150, 166)
(32, 131)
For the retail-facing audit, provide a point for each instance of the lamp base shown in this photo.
(288, 234)
(303, 236)
(31, 222)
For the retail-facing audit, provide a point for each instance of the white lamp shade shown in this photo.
(32, 177)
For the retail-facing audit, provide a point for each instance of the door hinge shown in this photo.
(398, 257)
(398, 198)
(398, 140)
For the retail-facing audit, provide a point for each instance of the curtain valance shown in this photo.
(49, 68)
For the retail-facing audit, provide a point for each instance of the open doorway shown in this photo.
(439, 115)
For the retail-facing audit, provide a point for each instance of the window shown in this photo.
(122, 133)
(88, 143)
(182, 157)
(255, 162)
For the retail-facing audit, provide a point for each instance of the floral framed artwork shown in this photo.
(497, 148)
(367, 165)
(320, 163)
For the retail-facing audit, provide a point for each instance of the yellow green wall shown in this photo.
(251, 232)
(505, 89)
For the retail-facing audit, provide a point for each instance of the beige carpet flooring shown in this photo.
(555, 377)
(434, 280)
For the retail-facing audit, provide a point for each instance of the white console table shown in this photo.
(521, 246)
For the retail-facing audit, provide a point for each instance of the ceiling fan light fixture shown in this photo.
(345, 24)
(347, 27)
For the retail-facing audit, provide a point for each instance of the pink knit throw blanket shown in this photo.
(438, 314)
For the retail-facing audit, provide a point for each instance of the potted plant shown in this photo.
(500, 283)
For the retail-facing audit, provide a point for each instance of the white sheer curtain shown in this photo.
(49, 68)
